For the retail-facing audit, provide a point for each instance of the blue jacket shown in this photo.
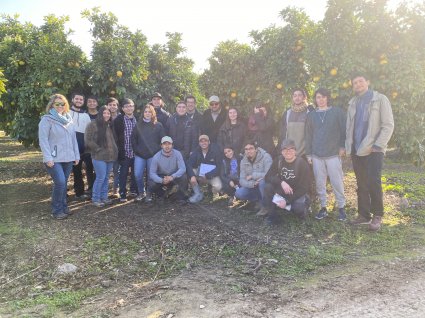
(58, 142)
(214, 157)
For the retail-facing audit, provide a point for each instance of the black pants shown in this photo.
(299, 207)
(159, 189)
(126, 165)
(368, 171)
(78, 174)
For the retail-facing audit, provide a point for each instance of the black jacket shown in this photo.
(260, 129)
(232, 135)
(214, 157)
(161, 115)
(184, 133)
(225, 173)
(146, 138)
(118, 125)
(297, 174)
(210, 127)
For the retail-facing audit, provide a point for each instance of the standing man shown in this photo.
(167, 170)
(370, 124)
(81, 120)
(161, 114)
(292, 125)
(92, 104)
(212, 119)
(254, 166)
(124, 125)
(192, 111)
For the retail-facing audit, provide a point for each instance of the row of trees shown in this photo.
(353, 35)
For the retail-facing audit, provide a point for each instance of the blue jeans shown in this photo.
(116, 170)
(100, 186)
(251, 194)
(125, 166)
(139, 171)
(60, 173)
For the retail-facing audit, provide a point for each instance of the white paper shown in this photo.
(277, 198)
(204, 168)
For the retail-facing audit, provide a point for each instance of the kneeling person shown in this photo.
(287, 183)
(167, 170)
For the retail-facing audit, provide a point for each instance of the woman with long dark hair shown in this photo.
(232, 132)
(261, 126)
(58, 143)
(100, 141)
(146, 142)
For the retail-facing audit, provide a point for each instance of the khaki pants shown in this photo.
(214, 182)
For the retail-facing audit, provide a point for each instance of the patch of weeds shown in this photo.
(107, 253)
(13, 232)
(67, 300)
(405, 183)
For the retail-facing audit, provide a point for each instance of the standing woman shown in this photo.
(232, 132)
(100, 142)
(58, 143)
(146, 142)
(260, 127)
(113, 105)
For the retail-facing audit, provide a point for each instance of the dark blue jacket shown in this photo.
(184, 133)
(214, 157)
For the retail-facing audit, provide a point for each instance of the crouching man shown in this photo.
(166, 171)
(287, 183)
(254, 166)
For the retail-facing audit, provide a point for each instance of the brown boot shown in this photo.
(360, 220)
(375, 225)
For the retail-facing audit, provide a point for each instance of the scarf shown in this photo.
(63, 119)
(299, 109)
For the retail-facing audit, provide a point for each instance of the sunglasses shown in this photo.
(58, 104)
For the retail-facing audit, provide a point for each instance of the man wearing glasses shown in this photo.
(212, 119)
(287, 183)
(254, 166)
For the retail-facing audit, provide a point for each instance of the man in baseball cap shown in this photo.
(213, 118)
(167, 170)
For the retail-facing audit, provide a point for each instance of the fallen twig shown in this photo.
(20, 276)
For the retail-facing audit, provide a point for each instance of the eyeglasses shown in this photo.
(214, 104)
(58, 104)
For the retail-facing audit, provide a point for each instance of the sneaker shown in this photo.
(132, 194)
(82, 196)
(140, 197)
(322, 214)
(375, 225)
(342, 216)
(98, 204)
(170, 191)
(107, 201)
(123, 199)
(116, 193)
(231, 201)
(60, 216)
(263, 212)
(197, 197)
(148, 198)
(68, 211)
(360, 220)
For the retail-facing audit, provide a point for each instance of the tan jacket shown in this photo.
(380, 128)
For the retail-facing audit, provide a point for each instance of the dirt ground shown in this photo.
(167, 260)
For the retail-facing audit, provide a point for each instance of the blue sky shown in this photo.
(203, 23)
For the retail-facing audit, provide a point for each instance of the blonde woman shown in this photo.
(58, 143)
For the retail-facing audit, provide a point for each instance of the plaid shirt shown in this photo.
(129, 124)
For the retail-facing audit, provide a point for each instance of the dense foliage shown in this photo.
(353, 35)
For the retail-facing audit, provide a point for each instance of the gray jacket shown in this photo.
(57, 141)
(256, 169)
(162, 165)
(380, 129)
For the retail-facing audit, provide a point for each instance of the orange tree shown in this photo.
(119, 65)
(37, 62)
(171, 73)
(363, 36)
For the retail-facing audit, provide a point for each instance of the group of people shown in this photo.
(165, 153)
